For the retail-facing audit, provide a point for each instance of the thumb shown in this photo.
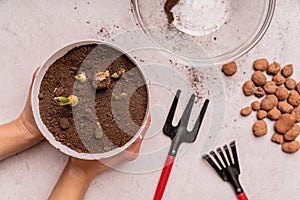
(30, 88)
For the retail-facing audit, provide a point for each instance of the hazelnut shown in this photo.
(285, 107)
(282, 93)
(270, 87)
(248, 88)
(273, 68)
(258, 78)
(246, 111)
(261, 114)
(278, 79)
(260, 128)
(259, 92)
(294, 98)
(284, 123)
(255, 105)
(290, 83)
(229, 69)
(291, 147)
(269, 102)
(277, 138)
(261, 64)
(274, 114)
(296, 114)
(292, 133)
(287, 70)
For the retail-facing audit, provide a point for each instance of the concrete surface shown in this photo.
(31, 30)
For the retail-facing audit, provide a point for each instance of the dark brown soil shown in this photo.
(120, 109)
(168, 7)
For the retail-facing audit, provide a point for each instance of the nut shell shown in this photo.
(255, 105)
(269, 102)
(285, 107)
(260, 128)
(277, 138)
(292, 133)
(248, 88)
(258, 78)
(290, 83)
(282, 93)
(284, 123)
(287, 70)
(260, 64)
(246, 111)
(274, 114)
(278, 79)
(229, 69)
(270, 87)
(273, 68)
(294, 98)
(291, 147)
(261, 114)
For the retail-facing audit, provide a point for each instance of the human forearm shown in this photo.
(73, 182)
(15, 138)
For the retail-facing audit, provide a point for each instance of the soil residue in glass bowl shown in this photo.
(168, 7)
(117, 113)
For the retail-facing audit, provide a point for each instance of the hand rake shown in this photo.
(230, 172)
(178, 134)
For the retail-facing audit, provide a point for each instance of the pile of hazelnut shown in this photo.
(280, 102)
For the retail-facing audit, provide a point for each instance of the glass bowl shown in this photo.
(205, 32)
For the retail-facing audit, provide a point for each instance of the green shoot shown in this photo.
(115, 97)
(72, 100)
(123, 94)
(118, 74)
(115, 75)
(81, 76)
(98, 132)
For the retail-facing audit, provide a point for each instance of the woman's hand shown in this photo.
(78, 174)
(21, 133)
(26, 121)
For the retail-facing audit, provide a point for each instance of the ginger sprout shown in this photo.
(115, 75)
(81, 76)
(98, 132)
(72, 100)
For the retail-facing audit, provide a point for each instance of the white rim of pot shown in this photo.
(36, 110)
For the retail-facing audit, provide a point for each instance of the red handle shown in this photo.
(242, 196)
(164, 178)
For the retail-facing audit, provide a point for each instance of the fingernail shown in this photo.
(137, 140)
(35, 72)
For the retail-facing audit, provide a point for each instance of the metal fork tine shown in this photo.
(211, 162)
(173, 108)
(222, 156)
(228, 154)
(168, 124)
(200, 117)
(187, 111)
(235, 157)
(217, 159)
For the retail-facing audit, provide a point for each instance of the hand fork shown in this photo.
(230, 172)
(178, 134)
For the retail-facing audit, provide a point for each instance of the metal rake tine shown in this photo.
(200, 117)
(228, 154)
(170, 117)
(211, 162)
(235, 156)
(219, 150)
(217, 159)
(187, 111)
